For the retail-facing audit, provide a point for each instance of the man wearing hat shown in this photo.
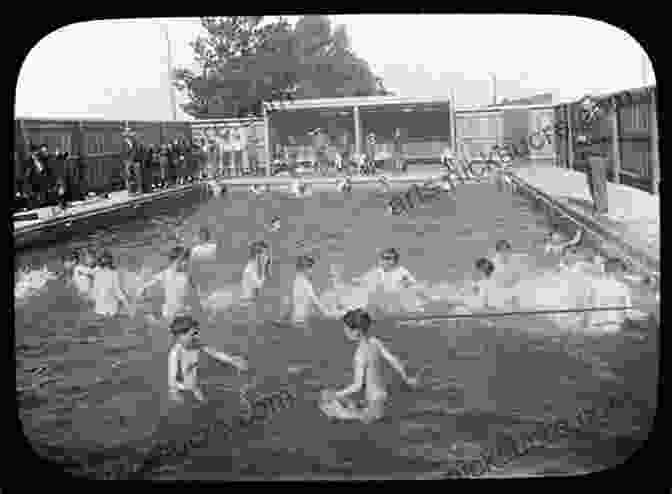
(129, 156)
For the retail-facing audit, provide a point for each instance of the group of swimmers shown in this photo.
(388, 287)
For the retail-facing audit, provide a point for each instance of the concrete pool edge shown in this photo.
(615, 242)
(46, 230)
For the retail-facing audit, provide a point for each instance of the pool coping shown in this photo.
(614, 242)
(25, 235)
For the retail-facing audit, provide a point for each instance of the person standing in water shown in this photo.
(184, 356)
(390, 278)
(83, 274)
(303, 298)
(205, 249)
(608, 290)
(177, 284)
(507, 272)
(256, 272)
(368, 372)
(107, 292)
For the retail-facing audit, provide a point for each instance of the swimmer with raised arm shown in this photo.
(184, 355)
(557, 244)
(176, 283)
(368, 372)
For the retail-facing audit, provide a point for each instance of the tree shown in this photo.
(245, 61)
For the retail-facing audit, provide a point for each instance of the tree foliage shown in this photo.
(245, 60)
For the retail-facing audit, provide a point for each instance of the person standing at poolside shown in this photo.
(129, 156)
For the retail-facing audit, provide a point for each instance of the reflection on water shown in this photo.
(87, 383)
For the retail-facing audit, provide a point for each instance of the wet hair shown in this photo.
(105, 260)
(304, 262)
(204, 233)
(614, 265)
(502, 245)
(358, 319)
(484, 266)
(182, 324)
(178, 253)
(390, 252)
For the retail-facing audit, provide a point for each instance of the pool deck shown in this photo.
(52, 221)
(633, 221)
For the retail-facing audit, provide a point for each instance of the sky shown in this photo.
(125, 76)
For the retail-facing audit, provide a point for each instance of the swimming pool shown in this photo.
(91, 384)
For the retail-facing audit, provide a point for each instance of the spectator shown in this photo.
(172, 164)
(164, 158)
(37, 178)
(146, 174)
(129, 157)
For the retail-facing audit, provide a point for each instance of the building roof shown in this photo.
(361, 101)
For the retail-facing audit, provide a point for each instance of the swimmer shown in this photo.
(342, 296)
(184, 355)
(344, 185)
(384, 184)
(69, 262)
(392, 278)
(484, 293)
(83, 274)
(507, 272)
(303, 295)
(257, 190)
(388, 274)
(609, 291)
(368, 374)
(107, 292)
(274, 225)
(205, 249)
(176, 283)
(298, 188)
(557, 244)
(257, 270)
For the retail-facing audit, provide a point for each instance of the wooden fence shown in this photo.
(94, 146)
(625, 132)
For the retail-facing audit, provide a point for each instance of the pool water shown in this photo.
(89, 384)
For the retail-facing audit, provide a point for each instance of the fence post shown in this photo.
(653, 133)
(570, 137)
(615, 144)
(358, 131)
(82, 168)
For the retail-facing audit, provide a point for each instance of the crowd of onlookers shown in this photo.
(44, 180)
(48, 178)
(148, 167)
